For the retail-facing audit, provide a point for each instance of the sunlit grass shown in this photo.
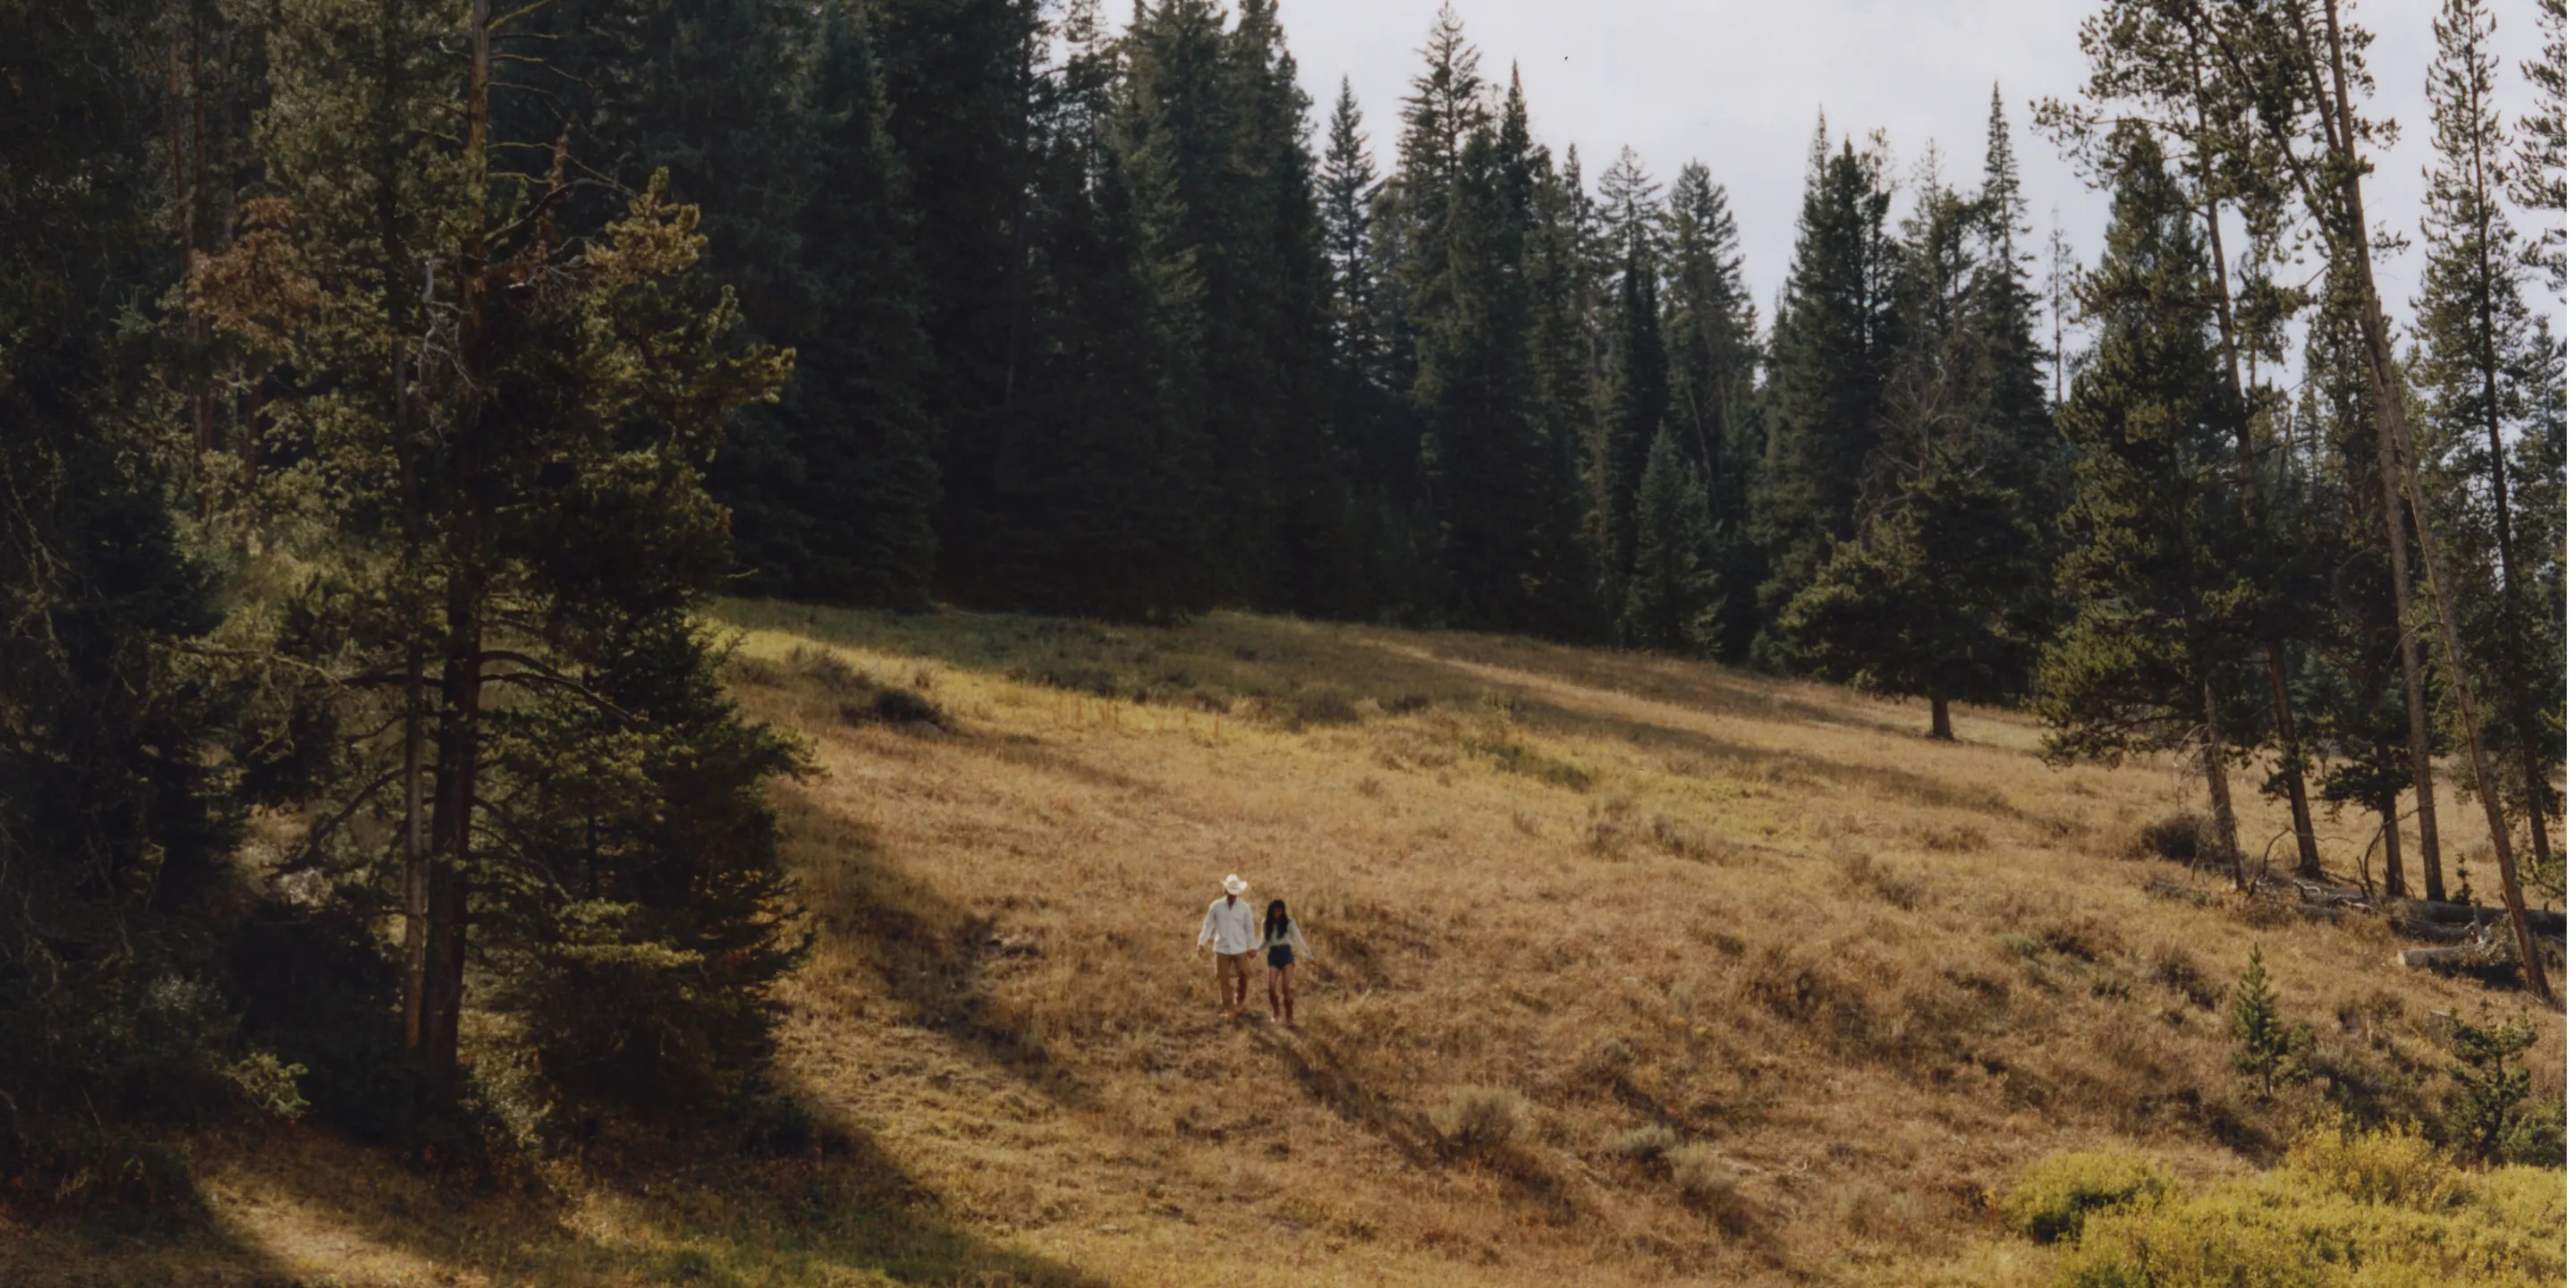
(1866, 978)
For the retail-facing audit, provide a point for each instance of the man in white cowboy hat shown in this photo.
(1229, 929)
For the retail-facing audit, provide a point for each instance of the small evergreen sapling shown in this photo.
(2267, 1047)
(2491, 1081)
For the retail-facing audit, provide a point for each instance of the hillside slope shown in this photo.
(1872, 975)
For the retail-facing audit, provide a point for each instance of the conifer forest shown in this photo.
(388, 386)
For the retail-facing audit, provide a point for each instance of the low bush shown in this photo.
(2396, 1167)
(1650, 1144)
(1479, 1119)
(2373, 1209)
(2177, 838)
(1704, 1175)
(2059, 1193)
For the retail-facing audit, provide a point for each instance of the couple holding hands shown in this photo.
(1230, 929)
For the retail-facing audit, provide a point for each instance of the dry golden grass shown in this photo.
(1860, 978)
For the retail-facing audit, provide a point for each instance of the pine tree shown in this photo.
(959, 84)
(2540, 171)
(1444, 110)
(1831, 352)
(1711, 332)
(2028, 447)
(510, 501)
(2145, 664)
(2303, 75)
(2360, 700)
(1371, 423)
(1941, 591)
(1349, 185)
(857, 523)
(2267, 1047)
(1088, 497)
(120, 805)
(2476, 344)
(2161, 63)
(1314, 561)
(2490, 1084)
(1638, 388)
(1673, 597)
(1487, 447)
(1568, 400)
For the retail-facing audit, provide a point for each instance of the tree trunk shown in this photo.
(2516, 670)
(1940, 711)
(2394, 444)
(451, 842)
(2419, 737)
(416, 862)
(2537, 792)
(2285, 723)
(2390, 838)
(2293, 758)
(2222, 803)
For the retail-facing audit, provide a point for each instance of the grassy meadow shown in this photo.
(1633, 971)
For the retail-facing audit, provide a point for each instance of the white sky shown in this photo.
(1737, 84)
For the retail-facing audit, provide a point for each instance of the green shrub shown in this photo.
(2286, 1230)
(2397, 1167)
(2347, 1210)
(2053, 1199)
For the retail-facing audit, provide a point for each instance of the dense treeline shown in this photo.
(381, 387)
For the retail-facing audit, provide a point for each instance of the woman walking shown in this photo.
(1281, 945)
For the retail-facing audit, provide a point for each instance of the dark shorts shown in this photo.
(1282, 956)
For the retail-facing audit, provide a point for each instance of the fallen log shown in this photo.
(2477, 961)
(2553, 924)
(2326, 895)
(2431, 931)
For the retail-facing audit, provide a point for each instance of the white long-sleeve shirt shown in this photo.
(1230, 926)
(1289, 936)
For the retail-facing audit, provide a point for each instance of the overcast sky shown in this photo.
(1738, 84)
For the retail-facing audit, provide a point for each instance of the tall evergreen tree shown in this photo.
(2360, 696)
(1832, 348)
(1942, 590)
(2161, 63)
(1088, 496)
(1638, 388)
(118, 804)
(847, 512)
(1672, 593)
(2476, 345)
(1492, 470)
(1711, 332)
(1379, 443)
(2540, 156)
(959, 81)
(1314, 561)
(501, 478)
(2146, 664)
(1562, 354)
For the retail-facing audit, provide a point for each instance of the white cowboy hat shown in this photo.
(1235, 884)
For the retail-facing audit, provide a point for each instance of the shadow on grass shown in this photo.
(691, 1209)
(170, 1238)
(932, 956)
